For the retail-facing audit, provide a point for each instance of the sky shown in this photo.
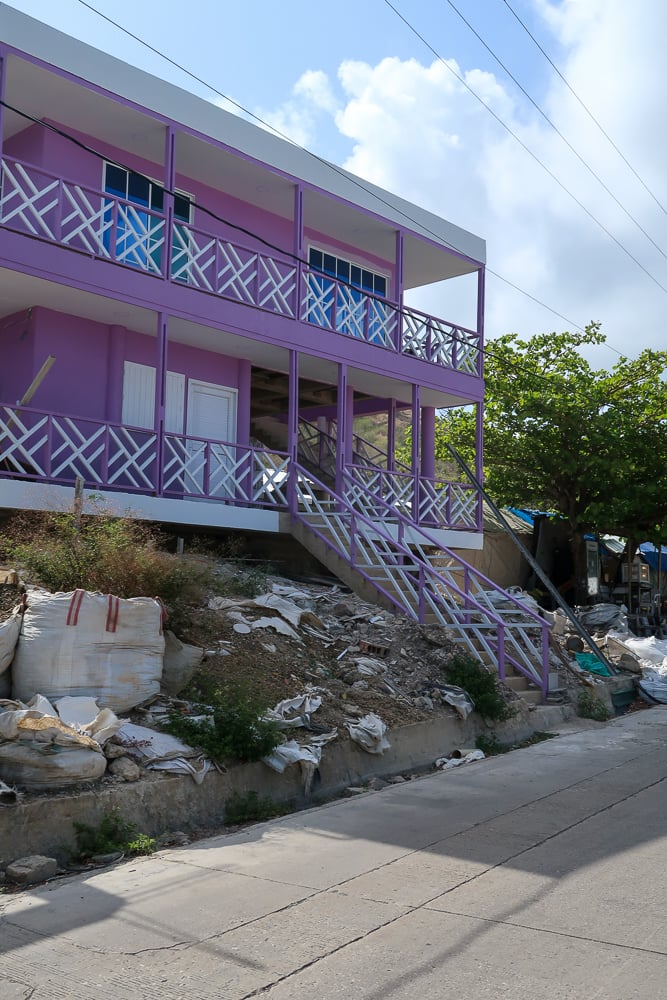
(395, 92)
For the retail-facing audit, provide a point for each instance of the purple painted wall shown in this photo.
(60, 156)
(87, 376)
(17, 342)
(27, 145)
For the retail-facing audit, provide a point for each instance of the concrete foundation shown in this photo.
(159, 802)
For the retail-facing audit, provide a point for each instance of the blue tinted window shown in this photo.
(116, 181)
(316, 259)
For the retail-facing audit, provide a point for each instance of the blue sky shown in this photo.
(353, 83)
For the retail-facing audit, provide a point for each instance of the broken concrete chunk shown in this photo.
(32, 869)
(123, 767)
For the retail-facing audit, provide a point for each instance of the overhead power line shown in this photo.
(557, 130)
(527, 149)
(358, 182)
(586, 109)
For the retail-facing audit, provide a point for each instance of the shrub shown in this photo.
(591, 707)
(111, 555)
(480, 684)
(249, 807)
(232, 730)
(112, 835)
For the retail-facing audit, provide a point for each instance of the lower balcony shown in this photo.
(179, 478)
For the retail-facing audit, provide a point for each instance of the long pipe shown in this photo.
(532, 562)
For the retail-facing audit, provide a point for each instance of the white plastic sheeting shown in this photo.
(90, 644)
(369, 732)
(161, 752)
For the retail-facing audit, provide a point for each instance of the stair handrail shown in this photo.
(427, 570)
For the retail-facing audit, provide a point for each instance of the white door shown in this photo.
(211, 415)
(138, 409)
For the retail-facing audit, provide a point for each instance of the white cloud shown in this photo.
(415, 130)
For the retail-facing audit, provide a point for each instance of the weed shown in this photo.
(249, 807)
(112, 835)
(480, 684)
(233, 727)
(110, 555)
(242, 583)
(591, 707)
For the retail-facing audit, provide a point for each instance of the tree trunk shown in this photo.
(580, 560)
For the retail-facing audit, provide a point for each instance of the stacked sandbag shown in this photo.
(9, 636)
(81, 643)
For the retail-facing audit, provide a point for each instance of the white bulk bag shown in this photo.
(89, 644)
(9, 636)
(43, 769)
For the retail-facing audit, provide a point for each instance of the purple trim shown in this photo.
(428, 442)
(161, 368)
(341, 426)
(479, 459)
(391, 435)
(416, 434)
(481, 297)
(293, 422)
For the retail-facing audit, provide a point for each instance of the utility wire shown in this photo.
(557, 130)
(484, 352)
(527, 149)
(586, 109)
(349, 177)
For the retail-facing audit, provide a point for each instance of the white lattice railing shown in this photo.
(53, 208)
(40, 446)
(377, 492)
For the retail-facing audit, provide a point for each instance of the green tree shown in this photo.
(563, 436)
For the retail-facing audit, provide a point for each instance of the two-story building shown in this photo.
(193, 312)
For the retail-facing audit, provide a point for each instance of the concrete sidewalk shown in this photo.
(539, 874)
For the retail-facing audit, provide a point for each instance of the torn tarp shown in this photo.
(369, 733)
(161, 752)
(294, 712)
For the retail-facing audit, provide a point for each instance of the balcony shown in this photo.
(90, 221)
(37, 446)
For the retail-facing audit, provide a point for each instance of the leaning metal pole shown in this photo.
(532, 562)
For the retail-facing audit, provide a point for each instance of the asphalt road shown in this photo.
(539, 874)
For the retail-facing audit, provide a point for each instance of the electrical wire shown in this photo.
(523, 145)
(586, 109)
(484, 352)
(558, 132)
(349, 177)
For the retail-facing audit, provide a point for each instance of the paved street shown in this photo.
(539, 874)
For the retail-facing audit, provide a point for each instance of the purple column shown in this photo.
(168, 204)
(416, 412)
(480, 318)
(479, 458)
(428, 442)
(247, 466)
(160, 397)
(399, 282)
(341, 428)
(298, 245)
(391, 435)
(3, 73)
(293, 428)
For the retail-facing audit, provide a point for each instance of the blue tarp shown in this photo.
(650, 555)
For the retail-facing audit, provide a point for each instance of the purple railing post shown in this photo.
(104, 466)
(49, 445)
(58, 214)
(545, 662)
(293, 431)
(501, 652)
(480, 319)
(113, 231)
(455, 344)
(421, 594)
(416, 435)
(207, 469)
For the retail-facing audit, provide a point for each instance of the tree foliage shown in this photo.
(561, 435)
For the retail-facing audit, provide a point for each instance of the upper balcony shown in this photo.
(232, 212)
(41, 204)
